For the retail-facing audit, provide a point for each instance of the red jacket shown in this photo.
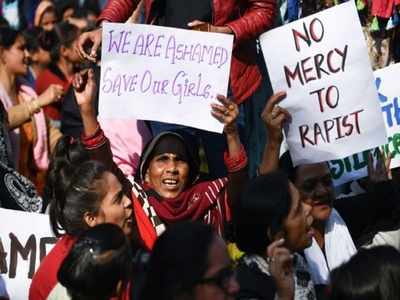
(247, 19)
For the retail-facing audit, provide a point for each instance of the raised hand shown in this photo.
(280, 262)
(85, 92)
(226, 112)
(381, 171)
(85, 89)
(274, 117)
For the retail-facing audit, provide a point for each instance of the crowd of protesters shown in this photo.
(149, 210)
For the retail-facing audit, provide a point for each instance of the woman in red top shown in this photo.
(64, 58)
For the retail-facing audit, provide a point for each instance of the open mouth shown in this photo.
(322, 203)
(170, 182)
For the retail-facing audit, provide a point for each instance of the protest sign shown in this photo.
(355, 166)
(163, 74)
(323, 66)
(25, 239)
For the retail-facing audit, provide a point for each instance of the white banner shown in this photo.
(322, 63)
(355, 166)
(163, 74)
(25, 239)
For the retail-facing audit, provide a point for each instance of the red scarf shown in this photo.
(206, 201)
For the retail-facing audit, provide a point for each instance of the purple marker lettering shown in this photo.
(107, 83)
(224, 57)
(196, 55)
(145, 84)
(139, 45)
(133, 83)
(149, 41)
(126, 42)
(217, 55)
(158, 46)
(171, 49)
(115, 43)
(177, 88)
(117, 85)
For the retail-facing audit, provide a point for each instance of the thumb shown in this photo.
(195, 23)
(96, 44)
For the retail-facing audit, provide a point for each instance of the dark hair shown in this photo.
(62, 5)
(88, 7)
(37, 38)
(8, 36)
(97, 262)
(178, 261)
(32, 37)
(63, 34)
(286, 165)
(3, 22)
(371, 274)
(72, 187)
(262, 208)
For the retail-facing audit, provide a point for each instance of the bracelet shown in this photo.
(33, 107)
(234, 164)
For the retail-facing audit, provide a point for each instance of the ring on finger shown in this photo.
(226, 112)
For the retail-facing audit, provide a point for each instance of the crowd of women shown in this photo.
(145, 210)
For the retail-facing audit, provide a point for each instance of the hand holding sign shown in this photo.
(226, 113)
(203, 26)
(274, 117)
(91, 38)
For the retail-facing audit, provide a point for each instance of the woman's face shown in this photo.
(15, 58)
(219, 282)
(116, 207)
(40, 57)
(167, 174)
(48, 20)
(315, 182)
(297, 226)
(70, 53)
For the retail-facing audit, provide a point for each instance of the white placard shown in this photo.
(163, 74)
(355, 166)
(322, 63)
(25, 239)
(389, 98)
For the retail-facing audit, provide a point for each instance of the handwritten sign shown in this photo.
(323, 66)
(25, 239)
(163, 74)
(355, 166)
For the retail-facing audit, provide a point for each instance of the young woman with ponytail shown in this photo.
(82, 194)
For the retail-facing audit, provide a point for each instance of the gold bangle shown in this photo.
(33, 107)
